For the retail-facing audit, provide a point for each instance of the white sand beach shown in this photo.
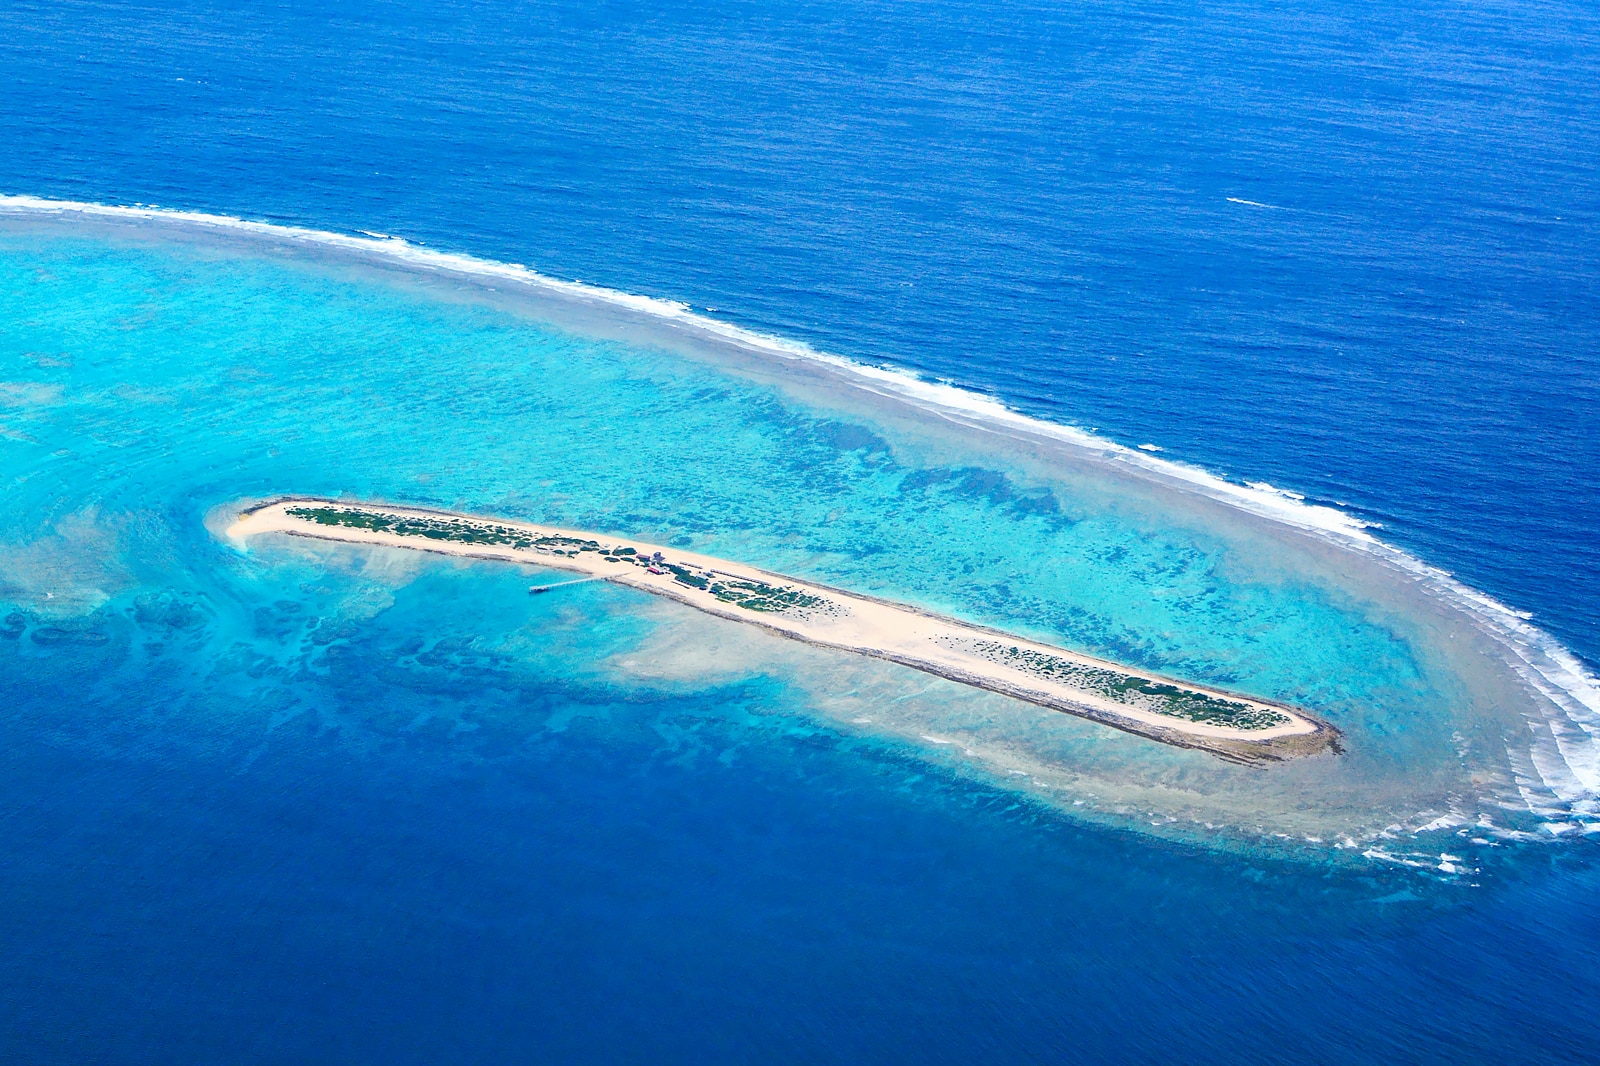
(1161, 708)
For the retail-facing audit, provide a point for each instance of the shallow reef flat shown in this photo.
(158, 370)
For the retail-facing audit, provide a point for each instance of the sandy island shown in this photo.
(1164, 709)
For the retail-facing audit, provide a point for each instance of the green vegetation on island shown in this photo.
(748, 594)
(443, 527)
(759, 596)
(751, 595)
(1143, 693)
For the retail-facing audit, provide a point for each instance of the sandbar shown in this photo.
(1172, 711)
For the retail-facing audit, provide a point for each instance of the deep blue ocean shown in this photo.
(325, 808)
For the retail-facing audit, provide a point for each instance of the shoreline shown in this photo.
(1543, 696)
(1167, 710)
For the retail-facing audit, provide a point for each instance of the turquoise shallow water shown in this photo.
(315, 803)
(242, 378)
(151, 384)
(303, 805)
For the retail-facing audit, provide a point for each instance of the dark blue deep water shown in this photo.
(1352, 250)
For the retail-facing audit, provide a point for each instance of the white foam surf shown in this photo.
(1565, 753)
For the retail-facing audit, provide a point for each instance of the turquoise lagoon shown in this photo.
(154, 372)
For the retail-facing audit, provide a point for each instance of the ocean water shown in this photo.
(311, 803)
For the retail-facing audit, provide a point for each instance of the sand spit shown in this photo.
(1175, 712)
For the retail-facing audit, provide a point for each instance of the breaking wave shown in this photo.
(1561, 769)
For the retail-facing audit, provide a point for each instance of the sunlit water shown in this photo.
(155, 385)
(308, 803)
(156, 377)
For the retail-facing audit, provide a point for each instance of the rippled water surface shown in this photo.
(311, 803)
